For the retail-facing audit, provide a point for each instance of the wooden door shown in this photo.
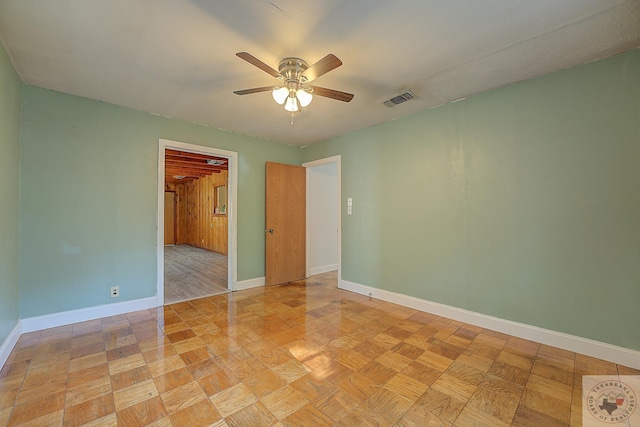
(169, 218)
(285, 216)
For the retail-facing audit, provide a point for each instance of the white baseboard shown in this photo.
(248, 284)
(9, 343)
(600, 350)
(53, 320)
(322, 269)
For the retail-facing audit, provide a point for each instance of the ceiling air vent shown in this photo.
(400, 98)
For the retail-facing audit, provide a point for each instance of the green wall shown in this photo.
(10, 108)
(88, 199)
(521, 203)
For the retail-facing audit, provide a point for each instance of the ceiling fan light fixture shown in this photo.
(280, 94)
(292, 104)
(304, 97)
(294, 74)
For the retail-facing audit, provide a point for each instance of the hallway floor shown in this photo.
(191, 273)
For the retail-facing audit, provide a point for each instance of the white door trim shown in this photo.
(307, 165)
(232, 213)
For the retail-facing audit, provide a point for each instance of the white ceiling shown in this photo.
(177, 57)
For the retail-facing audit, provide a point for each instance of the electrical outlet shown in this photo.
(115, 291)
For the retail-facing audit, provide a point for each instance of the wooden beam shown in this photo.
(183, 163)
(193, 161)
(173, 172)
(187, 155)
(185, 170)
(178, 181)
(190, 165)
(192, 169)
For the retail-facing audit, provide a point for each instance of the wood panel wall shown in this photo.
(181, 211)
(205, 229)
(197, 225)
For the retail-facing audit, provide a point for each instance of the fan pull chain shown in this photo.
(292, 118)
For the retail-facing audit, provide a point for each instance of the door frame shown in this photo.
(175, 218)
(333, 159)
(232, 214)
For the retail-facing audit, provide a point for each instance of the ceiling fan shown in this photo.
(294, 74)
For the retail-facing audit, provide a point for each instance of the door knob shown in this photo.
(270, 231)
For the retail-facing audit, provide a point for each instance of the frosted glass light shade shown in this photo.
(292, 104)
(304, 97)
(280, 94)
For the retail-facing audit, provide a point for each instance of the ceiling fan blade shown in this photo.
(255, 61)
(321, 67)
(331, 93)
(253, 90)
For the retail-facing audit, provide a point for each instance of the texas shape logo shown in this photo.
(611, 401)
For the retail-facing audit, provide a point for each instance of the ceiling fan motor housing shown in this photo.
(291, 69)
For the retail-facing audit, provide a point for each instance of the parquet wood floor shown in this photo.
(303, 354)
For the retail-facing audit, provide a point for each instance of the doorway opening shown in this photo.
(197, 235)
(324, 225)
